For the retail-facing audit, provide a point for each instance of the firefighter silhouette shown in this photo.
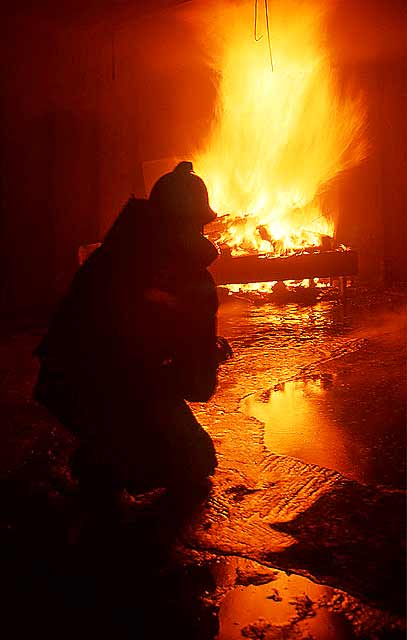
(133, 340)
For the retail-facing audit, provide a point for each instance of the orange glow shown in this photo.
(296, 425)
(267, 287)
(279, 136)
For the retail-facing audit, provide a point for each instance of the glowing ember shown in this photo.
(279, 137)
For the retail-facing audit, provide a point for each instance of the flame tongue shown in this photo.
(279, 136)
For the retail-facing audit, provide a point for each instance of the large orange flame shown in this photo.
(280, 135)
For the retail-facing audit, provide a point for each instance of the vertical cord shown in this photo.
(255, 21)
(268, 33)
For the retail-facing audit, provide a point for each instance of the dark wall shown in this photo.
(368, 40)
(51, 161)
(88, 96)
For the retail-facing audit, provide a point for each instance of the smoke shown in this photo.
(379, 320)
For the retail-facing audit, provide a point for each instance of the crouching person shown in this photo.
(133, 340)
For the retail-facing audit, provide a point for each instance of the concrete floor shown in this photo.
(302, 535)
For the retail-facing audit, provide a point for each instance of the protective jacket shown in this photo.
(134, 338)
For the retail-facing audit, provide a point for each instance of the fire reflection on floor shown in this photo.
(330, 386)
(295, 425)
(291, 607)
(303, 419)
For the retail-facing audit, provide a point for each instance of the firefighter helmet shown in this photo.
(182, 194)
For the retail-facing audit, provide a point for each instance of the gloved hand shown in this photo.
(223, 350)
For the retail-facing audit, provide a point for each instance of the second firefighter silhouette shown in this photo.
(134, 338)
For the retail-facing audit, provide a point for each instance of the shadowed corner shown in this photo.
(120, 576)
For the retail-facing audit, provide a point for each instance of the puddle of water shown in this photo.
(335, 421)
(288, 607)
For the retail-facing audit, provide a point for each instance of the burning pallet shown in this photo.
(256, 268)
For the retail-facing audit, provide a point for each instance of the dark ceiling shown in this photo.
(79, 12)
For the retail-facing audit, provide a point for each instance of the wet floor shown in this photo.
(292, 607)
(314, 399)
(338, 395)
(343, 420)
(302, 534)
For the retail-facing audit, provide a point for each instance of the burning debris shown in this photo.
(296, 276)
(260, 236)
(280, 135)
(279, 138)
